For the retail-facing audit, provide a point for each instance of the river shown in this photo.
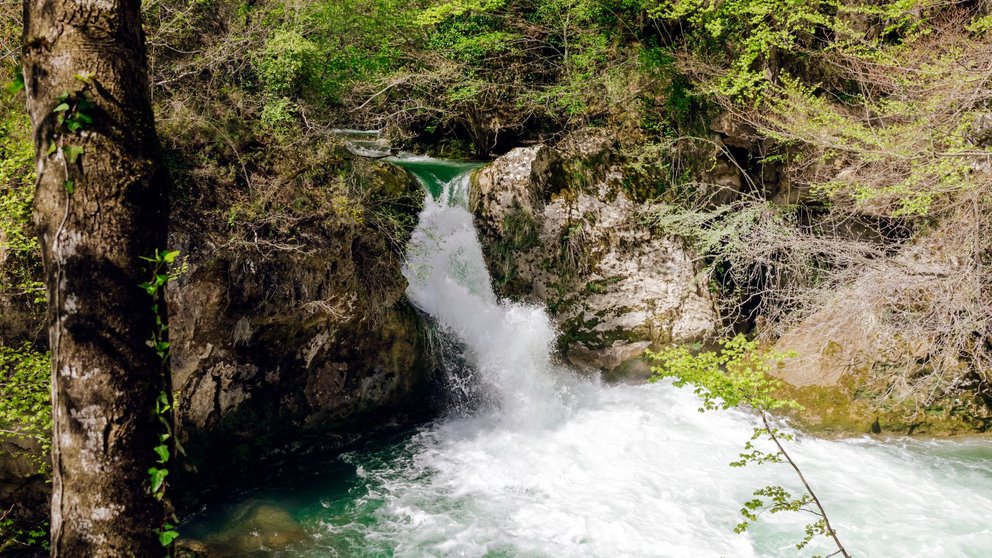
(536, 460)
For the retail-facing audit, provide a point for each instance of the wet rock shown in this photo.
(609, 358)
(254, 530)
(296, 343)
(580, 247)
(188, 548)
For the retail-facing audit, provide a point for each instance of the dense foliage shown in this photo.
(860, 132)
(25, 410)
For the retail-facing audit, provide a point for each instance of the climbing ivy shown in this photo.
(167, 445)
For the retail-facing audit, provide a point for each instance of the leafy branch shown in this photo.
(737, 375)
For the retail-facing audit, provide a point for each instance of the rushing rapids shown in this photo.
(548, 463)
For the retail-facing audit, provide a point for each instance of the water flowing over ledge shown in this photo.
(551, 463)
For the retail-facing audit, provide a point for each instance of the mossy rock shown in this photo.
(851, 407)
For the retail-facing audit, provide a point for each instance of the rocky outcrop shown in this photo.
(894, 349)
(299, 339)
(558, 228)
(516, 188)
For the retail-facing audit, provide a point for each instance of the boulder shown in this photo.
(558, 229)
(885, 353)
(858, 329)
(255, 529)
(522, 182)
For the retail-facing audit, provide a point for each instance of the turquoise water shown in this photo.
(551, 463)
(434, 174)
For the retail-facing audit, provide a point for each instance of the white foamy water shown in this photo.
(563, 466)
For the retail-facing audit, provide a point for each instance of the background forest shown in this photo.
(860, 132)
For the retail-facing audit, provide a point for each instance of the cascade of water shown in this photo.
(553, 465)
(567, 468)
(508, 344)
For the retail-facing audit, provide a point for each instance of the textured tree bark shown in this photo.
(98, 212)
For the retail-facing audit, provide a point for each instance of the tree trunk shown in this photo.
(98, 212)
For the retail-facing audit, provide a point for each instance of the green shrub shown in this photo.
(25, 399)
(17, 238)
(279, 117)
(288, 63)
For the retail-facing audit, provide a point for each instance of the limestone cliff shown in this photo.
(558, 228)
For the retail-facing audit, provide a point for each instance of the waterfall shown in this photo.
(533, 460)
(560, 465)
(508, 345)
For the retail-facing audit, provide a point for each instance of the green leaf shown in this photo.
(61, 107)
(170, 256)
(163, 453)
(72, 153)
(157, 478)
(70, 187)
(166, 537)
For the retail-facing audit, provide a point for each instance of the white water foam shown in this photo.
(565, 467)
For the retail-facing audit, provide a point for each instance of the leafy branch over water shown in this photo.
(737, 375)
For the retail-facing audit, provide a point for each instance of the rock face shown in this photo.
(557, 228)
(889, 351)
(297, 342)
